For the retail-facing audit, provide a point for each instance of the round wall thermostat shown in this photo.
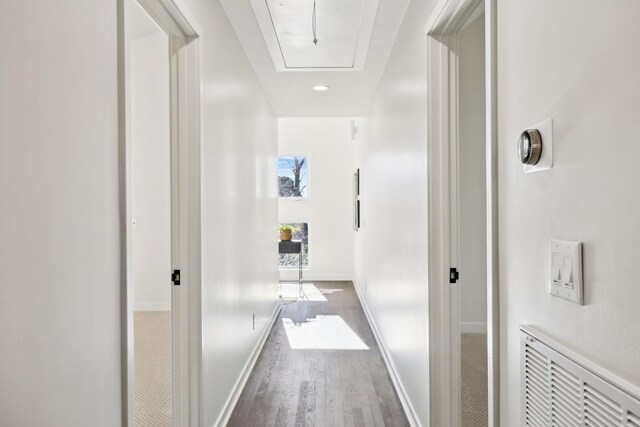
(530, 147)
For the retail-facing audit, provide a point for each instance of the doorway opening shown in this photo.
(159, 155)
(471, 223)
(462, 204)
(149, 142)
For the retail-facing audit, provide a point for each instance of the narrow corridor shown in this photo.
(320, 366)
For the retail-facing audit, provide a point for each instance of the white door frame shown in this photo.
(185, 215)
(446, 21)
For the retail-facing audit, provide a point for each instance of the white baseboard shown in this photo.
(152, 306)
(393, 373)
(231, 402)
(473, 327)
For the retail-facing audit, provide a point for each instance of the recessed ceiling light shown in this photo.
(321, 88)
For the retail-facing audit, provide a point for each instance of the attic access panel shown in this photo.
(343, 29)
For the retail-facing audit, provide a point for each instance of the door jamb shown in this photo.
(185, 187)
(447, 19)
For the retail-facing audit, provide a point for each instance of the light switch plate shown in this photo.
(565, 270)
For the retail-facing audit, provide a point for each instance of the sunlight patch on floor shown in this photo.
(290, 291)
(324, 291)
(328, 332)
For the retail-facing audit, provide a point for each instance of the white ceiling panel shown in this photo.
(340, 30)
(355, 38)
(337, 25)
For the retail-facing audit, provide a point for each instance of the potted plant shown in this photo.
(286, 232)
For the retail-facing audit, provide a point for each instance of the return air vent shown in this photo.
(559, 390)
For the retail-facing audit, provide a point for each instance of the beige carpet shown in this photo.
(152, 363)
(474, 380)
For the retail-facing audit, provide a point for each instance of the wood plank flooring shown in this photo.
(307, 386)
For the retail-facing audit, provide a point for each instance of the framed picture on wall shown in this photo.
(293, 177)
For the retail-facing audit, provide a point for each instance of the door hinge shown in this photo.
(453, 275)
(175, 277)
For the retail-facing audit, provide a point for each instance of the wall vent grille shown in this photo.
(558, 391)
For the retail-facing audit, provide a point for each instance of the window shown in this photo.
(293, 177)
(301, 233)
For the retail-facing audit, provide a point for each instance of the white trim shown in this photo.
(169, 18)
(126, 298)
(473, 327)
(477, 12)
(410, 412)
(438, 233)
(232, 400)
(160, 306)
(189, 304)
(448, 18)
(455, 353)
(493, 292)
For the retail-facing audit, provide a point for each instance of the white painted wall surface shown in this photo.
(151, 172)
(471, 186)
(59, 230)
(60, 318)
(239, 206)
(329, 209)
(391, 247)
(581, 71)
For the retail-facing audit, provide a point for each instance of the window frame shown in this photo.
(308, 246)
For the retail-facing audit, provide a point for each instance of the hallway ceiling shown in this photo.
(354, 41)
(343, 30)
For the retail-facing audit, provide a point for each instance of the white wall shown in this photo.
(582, 71)
(239, 206)
(391, 247)
(151, 174)
(329, 209)
(59, 230)
(59, 258)
(471, 186)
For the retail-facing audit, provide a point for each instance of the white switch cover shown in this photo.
(565, 270)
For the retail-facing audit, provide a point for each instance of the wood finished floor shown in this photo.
(309, 387)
